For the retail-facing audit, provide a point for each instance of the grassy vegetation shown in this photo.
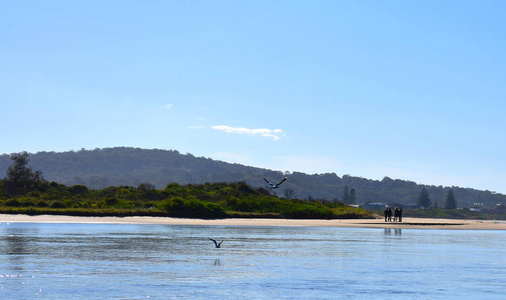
(210, 200)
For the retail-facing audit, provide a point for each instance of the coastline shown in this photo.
(415, 223)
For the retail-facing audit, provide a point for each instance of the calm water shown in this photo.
(106, 261)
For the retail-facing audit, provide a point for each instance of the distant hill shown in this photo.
(101, 168)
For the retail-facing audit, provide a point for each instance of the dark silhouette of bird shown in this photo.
(275, 186)
(218, 245)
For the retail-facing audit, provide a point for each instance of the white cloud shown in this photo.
(274, 134)
(168, 106)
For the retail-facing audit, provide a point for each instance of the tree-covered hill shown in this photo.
(122, 166)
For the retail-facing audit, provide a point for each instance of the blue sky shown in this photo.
(412, 90)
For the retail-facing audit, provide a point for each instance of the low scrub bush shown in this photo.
(306, 211)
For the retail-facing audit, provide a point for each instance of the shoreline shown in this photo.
(414, 223)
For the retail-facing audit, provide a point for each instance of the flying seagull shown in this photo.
(275, 186)
(218, 245)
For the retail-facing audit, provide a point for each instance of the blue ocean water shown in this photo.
(116, 261)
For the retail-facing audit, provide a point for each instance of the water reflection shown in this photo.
(17, 244)
(396, 231)
(60, 261)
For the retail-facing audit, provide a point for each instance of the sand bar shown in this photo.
(418, 223)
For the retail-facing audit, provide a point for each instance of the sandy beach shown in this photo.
(418, 223)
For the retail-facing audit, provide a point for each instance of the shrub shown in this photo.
(78, 190)
(13, 203)
(125, 204)
(42, 203)
(111, 200)
(306, 211)
(245, 188)
(57, 204)
(27, 203)
(193, 205)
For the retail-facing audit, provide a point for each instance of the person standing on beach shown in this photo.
(386, 214)
(400, 214)
(389, 214)
(396, 214)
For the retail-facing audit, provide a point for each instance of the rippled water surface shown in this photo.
(104, 261)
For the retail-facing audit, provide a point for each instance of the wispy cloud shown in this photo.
(274, 134)
(168, 106)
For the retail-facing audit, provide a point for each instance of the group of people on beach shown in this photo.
(397, 214)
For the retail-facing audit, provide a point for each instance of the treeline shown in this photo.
(211, 200)
(100, 168)
(26, 191)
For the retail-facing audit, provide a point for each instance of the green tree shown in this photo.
(20, 178)
(353, 197)
(346, 195)
(78, 190)
(288, 193)
(424, 199)
(450, 201)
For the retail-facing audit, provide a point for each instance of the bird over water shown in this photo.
(218, 245)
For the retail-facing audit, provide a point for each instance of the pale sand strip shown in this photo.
(374, 223)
